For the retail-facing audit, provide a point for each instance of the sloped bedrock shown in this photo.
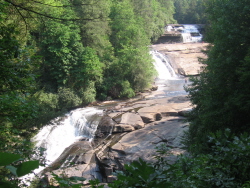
(136, 116)
(142, 143)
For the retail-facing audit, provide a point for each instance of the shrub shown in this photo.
(49, 99)
(126, 90)
(67, 98)
(88, 93)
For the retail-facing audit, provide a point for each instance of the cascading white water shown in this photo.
(186, 37)
(168, 82)
(78, 124)
(190, 33)
(163, 67)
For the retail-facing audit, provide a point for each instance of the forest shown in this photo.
(57, 55)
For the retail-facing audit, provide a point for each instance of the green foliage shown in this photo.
(126, 91)
(190, 11)
(67, 98)
(12, 167)
(133, 63)
(72, 182)
(221, 93)
(138, 174)
(49, 100)
(154, 15)
(88, 93)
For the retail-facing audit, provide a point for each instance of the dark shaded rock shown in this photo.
(105, 126)
(184, 113)
(149, 114)
(170, 114)
(181, 71)
(158, 117)
(154, 88)
(120, 128)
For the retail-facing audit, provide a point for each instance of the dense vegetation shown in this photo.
(60, 54)
(221, 93)
(190, 11)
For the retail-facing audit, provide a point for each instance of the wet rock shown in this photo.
(71, 154)
(132, 119)
(105, 127)
(181, 71)
(108, 171)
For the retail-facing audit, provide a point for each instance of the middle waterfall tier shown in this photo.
(163, 66)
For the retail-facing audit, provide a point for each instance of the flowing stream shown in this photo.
(190, 33)
(81, 124)
(168, 82)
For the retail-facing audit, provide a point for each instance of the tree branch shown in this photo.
(47, 16)
(80, 4)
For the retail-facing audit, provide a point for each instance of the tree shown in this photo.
(155, 16)
(133, 65)
(190, 11)
(220, 95)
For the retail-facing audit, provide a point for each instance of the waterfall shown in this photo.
(163, 66)
(190, 33)
(186, 37)
(169, 83)
(77, 124)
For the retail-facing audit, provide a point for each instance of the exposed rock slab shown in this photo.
(184, 56)
(142, 143)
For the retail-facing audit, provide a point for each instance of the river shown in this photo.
(81, 124)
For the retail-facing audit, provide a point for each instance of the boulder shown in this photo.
(185, 112)
(120, 128)
(105, 126)
(132, 119)
(149, 114)
(154, 88)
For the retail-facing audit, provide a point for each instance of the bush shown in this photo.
(126, 91)
(88, 93)
(67, 98)
(49, 99)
